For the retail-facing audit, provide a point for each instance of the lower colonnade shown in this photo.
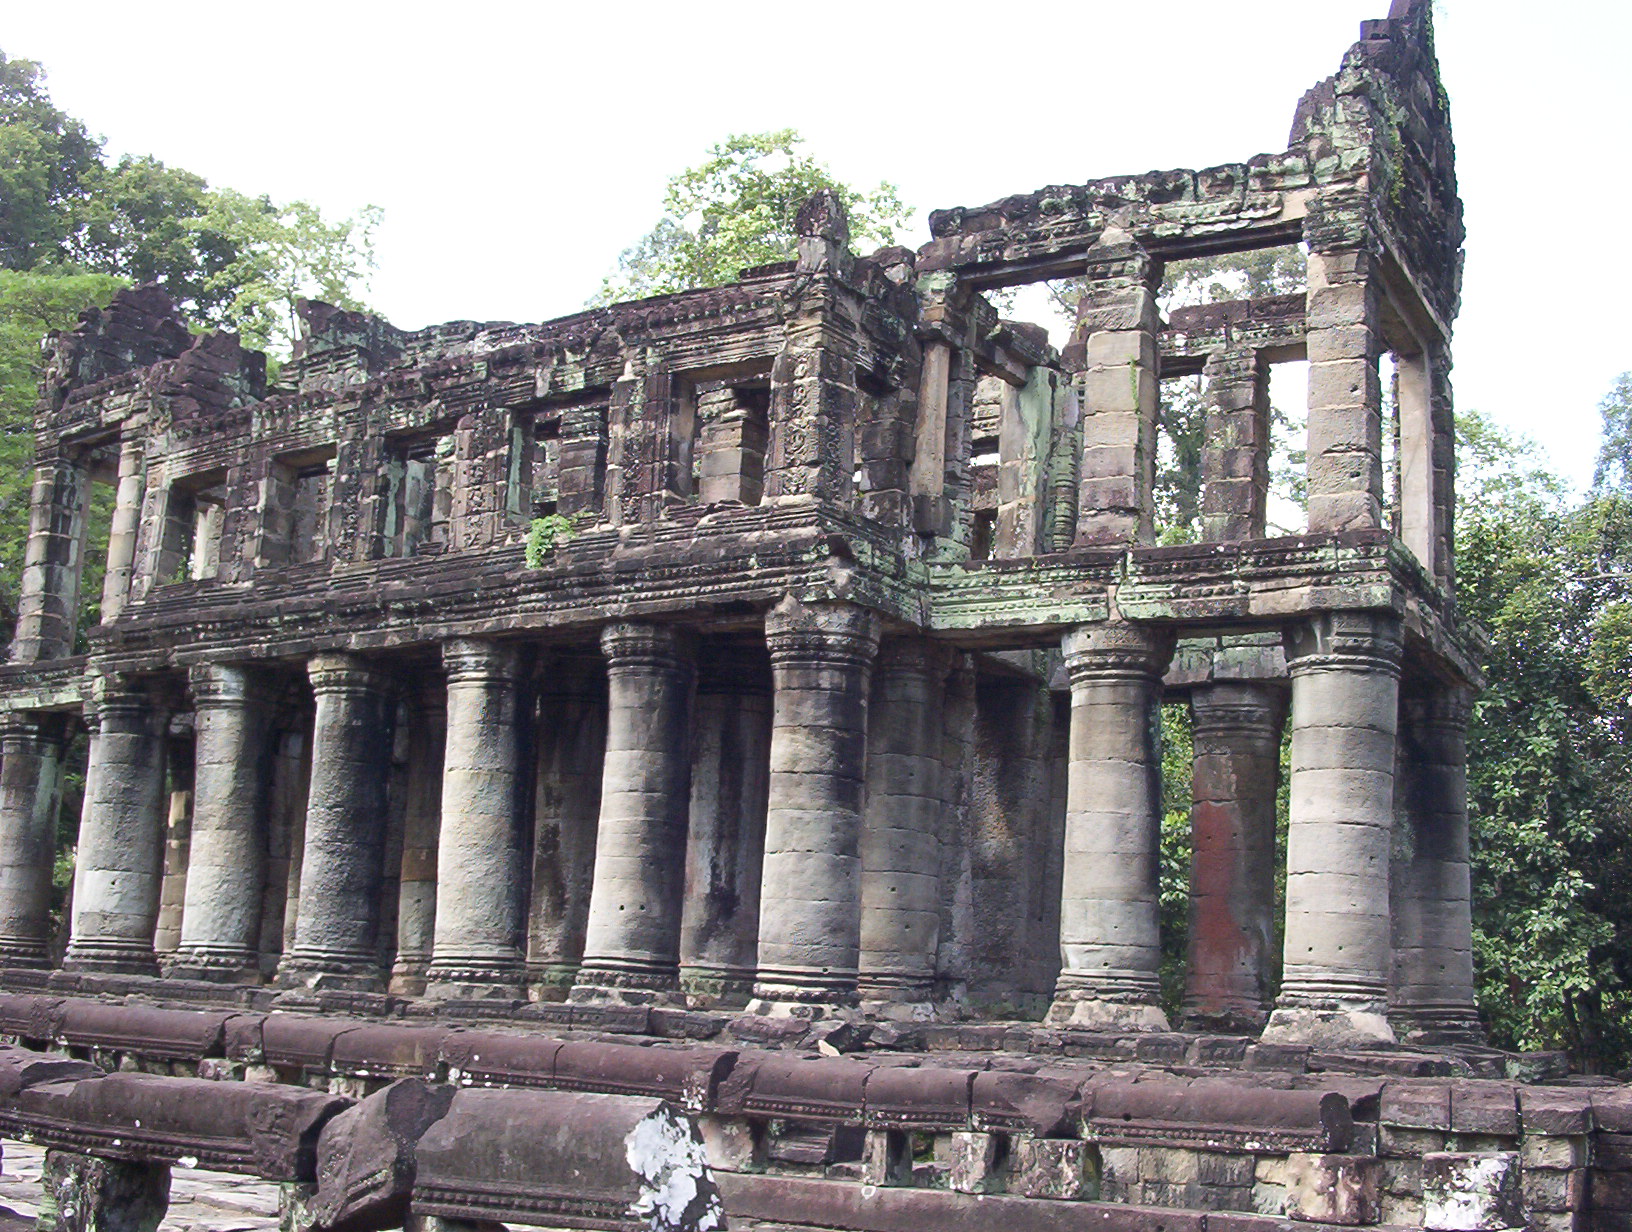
(832, 817)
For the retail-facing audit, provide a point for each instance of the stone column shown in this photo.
(632, 946)
(416, 896)
(1237, 732)
(810, 896)
(30, 794)
(121, 836)
(901, 830)
(1110, 947)
(48, 592)
(1430, 892)
(1345, 467)
(1115, 352)
(479, 850)
(1235, 456)
(226, 860)
(567, 808)
(342, 865)
(122, 531)
(730, 784)
(1345, 669)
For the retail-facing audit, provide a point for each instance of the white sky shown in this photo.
(517, 148)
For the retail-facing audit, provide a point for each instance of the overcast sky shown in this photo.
(517, 148)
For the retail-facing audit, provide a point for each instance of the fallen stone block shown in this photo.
(1023, 1103)
(366, 1157)
(21, 1068)
(566, 1158)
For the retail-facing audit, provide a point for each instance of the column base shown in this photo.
(324, 972)
(1224, 1018)
(1092, 1012)
(27, 952)
(115, 956)
(496, 981)
(1353, 1027)
(897, 996)
(214, 965)
(618, 981)
(1437, 1024)
(716, 986)
(550, 981)
(803, 993)
(408, 975)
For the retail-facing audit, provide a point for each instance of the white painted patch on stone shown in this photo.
(1473, 1200)
(669, 1159)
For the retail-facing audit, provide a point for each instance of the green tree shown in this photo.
(1614, 468)
(736, 210)
(44, 157)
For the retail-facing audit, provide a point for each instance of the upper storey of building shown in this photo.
(836, 426)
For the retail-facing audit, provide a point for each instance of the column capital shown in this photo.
(473, 660)
(345, 673)
(1449, 707)
(1237, 706)
(913, 656)
(122, 703)
(221, 686)
(1116, 648)
(33, 728)
(636, 644)
(1345, 641)
(825, 633)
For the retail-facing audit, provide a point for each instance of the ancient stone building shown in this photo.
(788, 646)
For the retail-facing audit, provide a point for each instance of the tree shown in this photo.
(44, 157)
(1614, 468)
(736, 210)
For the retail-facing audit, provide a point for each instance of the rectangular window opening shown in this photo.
(418, 496)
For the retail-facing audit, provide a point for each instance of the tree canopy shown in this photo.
(736, 210)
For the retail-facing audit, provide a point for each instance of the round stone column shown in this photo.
(120, 859)
(810, 895)
(422, 816)
(1433, 999)
(226, 861)
(30, 794)
(901, 833)
(1237, 732)
(632, 944)
(342, 863)
(479, 849)
(1110, 943)
(1345, 669)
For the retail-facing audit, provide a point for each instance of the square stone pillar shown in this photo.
(479, 929)
(342, 865)
(1110, 944)
(422, 816)
(48, 594)
(1237, 733)
(1345, 669)
(30, 796)
(632, 944)
(121, 835)
(567, 807)
(730, 788)
(122, 531)
(226, 860)
(810, 898)
(1235, 452)
(901, 830)
(1431, 891)
(1115, 352)
(1345, 459)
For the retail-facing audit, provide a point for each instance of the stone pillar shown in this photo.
(1235, 456)
(1345, 467)
(1430, 892)
(121, 836)
(479, 850)
(86, 1193)
(1118, 361)
(342, 865)
(30, 794)
(48, 593)
(1345, 669)
(1110, 946)
(902, 825)
(567, 808)
(632, 946)
(730, 785)
(416, 896)
(226, 860)
(122, 531)
(1237, 733)
(810, 895)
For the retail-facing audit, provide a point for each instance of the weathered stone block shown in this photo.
(87, 1194)
(1341, 1189)
(1470, 1192)
(1053, 1168)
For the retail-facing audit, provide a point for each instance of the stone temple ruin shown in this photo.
(773, 669)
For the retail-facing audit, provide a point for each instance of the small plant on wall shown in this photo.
(548, 533)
